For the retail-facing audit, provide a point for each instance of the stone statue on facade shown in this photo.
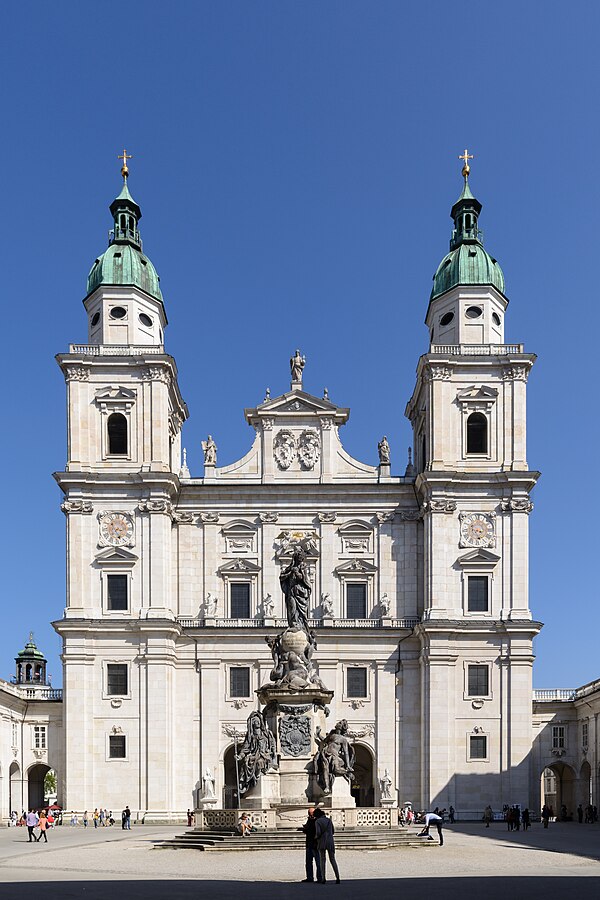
(334, 758)
(386, 785)
(257, 754)
(208, 785)
(297, 363)
(297, 589)
(268, 606)
(326, 606)
(384, 451)
(210, 451)
(384, 605)
(210, 606)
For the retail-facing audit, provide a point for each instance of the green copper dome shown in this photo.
(467, 262)
(30, 651)
(124, 262)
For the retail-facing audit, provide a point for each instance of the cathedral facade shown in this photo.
(419, 582)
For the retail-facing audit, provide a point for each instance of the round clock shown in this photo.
(477, 530)
(116, 529)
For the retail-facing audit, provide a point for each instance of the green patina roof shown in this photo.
(30, 651)
(468, 262)
(125, 262)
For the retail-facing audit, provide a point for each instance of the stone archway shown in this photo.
(585, 784)
(558, 788)
(35, 785)
(15, 790)
(363, 783)
(230, 782)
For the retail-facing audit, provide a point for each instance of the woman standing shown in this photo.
(43, 826)
(326, 844)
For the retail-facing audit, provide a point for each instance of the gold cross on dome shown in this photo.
(125, 157)
(466, 156)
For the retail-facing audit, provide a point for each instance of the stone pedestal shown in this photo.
(264, 794)
(293, 717)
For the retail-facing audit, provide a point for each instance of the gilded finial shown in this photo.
(124, 168)
(466, 167)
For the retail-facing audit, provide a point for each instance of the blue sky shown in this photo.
(296, 164)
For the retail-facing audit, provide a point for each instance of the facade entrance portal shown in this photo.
(35, 780)
(363, 785)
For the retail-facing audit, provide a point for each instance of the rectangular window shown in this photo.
(116, 746)
(39, 737)
(116, 590)
(585, 733)
(356, 681)
(356, 601)
(116, 679)
(558, 737)
(478, 746)
(479, 681)
(239, 681)
(239, 600)
(477, 593)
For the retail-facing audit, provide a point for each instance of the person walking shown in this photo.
(312, 853)
(545, 815)
(96, 817)
(126, 819)
(85, 819)
(431, 819)
(324, 832)
(43, 826)
(451, 815)
(580, 813)
(31, 821)
(526, 819)
(488, 815)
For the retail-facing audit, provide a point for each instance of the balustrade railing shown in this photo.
(41, 694)
(555, 694)
(116, 349)
(408, 623)
(476, 349)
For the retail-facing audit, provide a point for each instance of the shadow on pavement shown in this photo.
(498, 888)
(560, 837)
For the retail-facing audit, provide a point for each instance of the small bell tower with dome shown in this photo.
(30, 665)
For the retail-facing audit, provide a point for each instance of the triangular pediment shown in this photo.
(477, 392)
(354, 566)
(297, 403)
(478, 557)
(239, 565)
(116, 555)
(115, 392)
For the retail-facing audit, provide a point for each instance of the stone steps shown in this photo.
(350, 839)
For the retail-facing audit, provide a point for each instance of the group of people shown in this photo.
(514, 818)
(319, 832)
(44, 820)
(589, 815)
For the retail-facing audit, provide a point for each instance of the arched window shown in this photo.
(117, 434)
(477, 433)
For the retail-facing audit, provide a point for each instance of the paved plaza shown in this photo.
(111, 863)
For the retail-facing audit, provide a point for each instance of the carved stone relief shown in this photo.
(326, 517)
(155, 506)
(309, 449)
(209, 518)
(284, 448)
(443, 506)
(294, 735)
(77, 373)
(521, 505)
(77, 506)
(268, 517)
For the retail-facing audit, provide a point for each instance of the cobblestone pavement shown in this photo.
(493, 863)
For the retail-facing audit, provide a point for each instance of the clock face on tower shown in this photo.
(477, 530)
(116, 529)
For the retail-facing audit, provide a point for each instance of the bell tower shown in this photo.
(468, 413)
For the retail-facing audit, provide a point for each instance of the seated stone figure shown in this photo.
(334, 758)
(258, 753)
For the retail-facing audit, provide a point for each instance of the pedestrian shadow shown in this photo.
(492, 888)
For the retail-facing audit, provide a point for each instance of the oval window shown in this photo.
(446, 318)
(95, 319)
(118, 312)
(473, 312)
(495, 318)
(145, 320)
